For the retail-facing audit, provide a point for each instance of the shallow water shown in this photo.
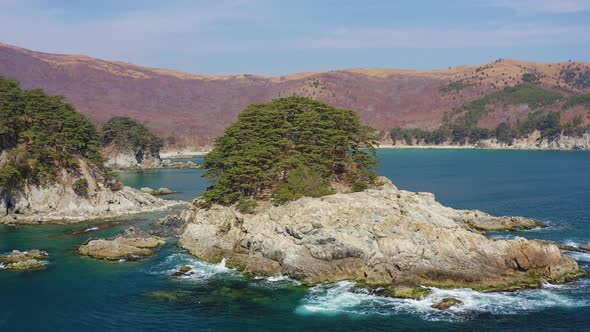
(76, 293)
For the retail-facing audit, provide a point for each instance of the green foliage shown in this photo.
(246, 205)
(80, 187)
(548, 124)
(359, 186)
(523, 94)
(10, 177)
(583, 99)
(269, 141)
(127, 134)
(576, 77)
(44, 133)
(531, 78)
(505, 133)
(453, 86)
(301, 182)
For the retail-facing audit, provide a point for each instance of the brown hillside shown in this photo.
(196, 108)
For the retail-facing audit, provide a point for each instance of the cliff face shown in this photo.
(68, 201)
(380, 236)
(193, 109)
(129, 159)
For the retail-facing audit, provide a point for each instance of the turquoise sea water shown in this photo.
(80, 294)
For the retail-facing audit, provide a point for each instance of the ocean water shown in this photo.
(76, 293)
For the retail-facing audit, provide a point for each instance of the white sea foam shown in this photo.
(200, 270)
(2, 266)
(340, 298)
(278, 279)
(580, 256)
(91, 229)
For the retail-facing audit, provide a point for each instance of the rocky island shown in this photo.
(128, 144)
(295, 193)
(51, 168)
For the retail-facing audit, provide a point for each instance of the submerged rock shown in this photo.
(24, 260)
(130, 245)
(447, 303)
(379, 236)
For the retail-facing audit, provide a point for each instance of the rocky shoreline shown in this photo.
(531, 142)
(60, 202)
(382, 237)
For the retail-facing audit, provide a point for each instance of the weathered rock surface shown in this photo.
(447, 303)
(130, 245)
(380, 236)
(24, 260)
(171, 224)
(585, 247)
(157, 192)
(60, 202)
(130, 160)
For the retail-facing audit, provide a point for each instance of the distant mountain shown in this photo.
(193, 109)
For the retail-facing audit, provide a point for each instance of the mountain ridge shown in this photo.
(190, 109)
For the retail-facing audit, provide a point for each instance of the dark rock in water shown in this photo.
(24, 260)
(183, 271)
(447, 303)
(171, 224)
(585, 247)
(130, 245)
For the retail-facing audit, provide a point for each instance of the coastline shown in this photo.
(185, 154)
(473, 147)
(178, 154)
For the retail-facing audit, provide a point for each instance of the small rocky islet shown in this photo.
(24, 260)
(131, 245)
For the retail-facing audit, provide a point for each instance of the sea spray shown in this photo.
(342, 298)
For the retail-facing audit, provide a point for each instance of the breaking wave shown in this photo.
(343, 298)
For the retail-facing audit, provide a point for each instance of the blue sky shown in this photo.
(280, 37)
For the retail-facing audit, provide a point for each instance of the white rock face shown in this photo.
(59, 201)
(379, 236)
(128, 159)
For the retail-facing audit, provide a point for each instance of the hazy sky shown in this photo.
(278, 37)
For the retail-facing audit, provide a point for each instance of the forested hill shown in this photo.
(190, 110)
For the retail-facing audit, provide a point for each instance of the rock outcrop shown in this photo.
(24, 260)
(381, 236)
(130, 245)
(61, 202)
(447, 303)
(157, 192)
(129, 160)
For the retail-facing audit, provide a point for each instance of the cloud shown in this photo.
(131, 35)
(541, 6)
(519, 35)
